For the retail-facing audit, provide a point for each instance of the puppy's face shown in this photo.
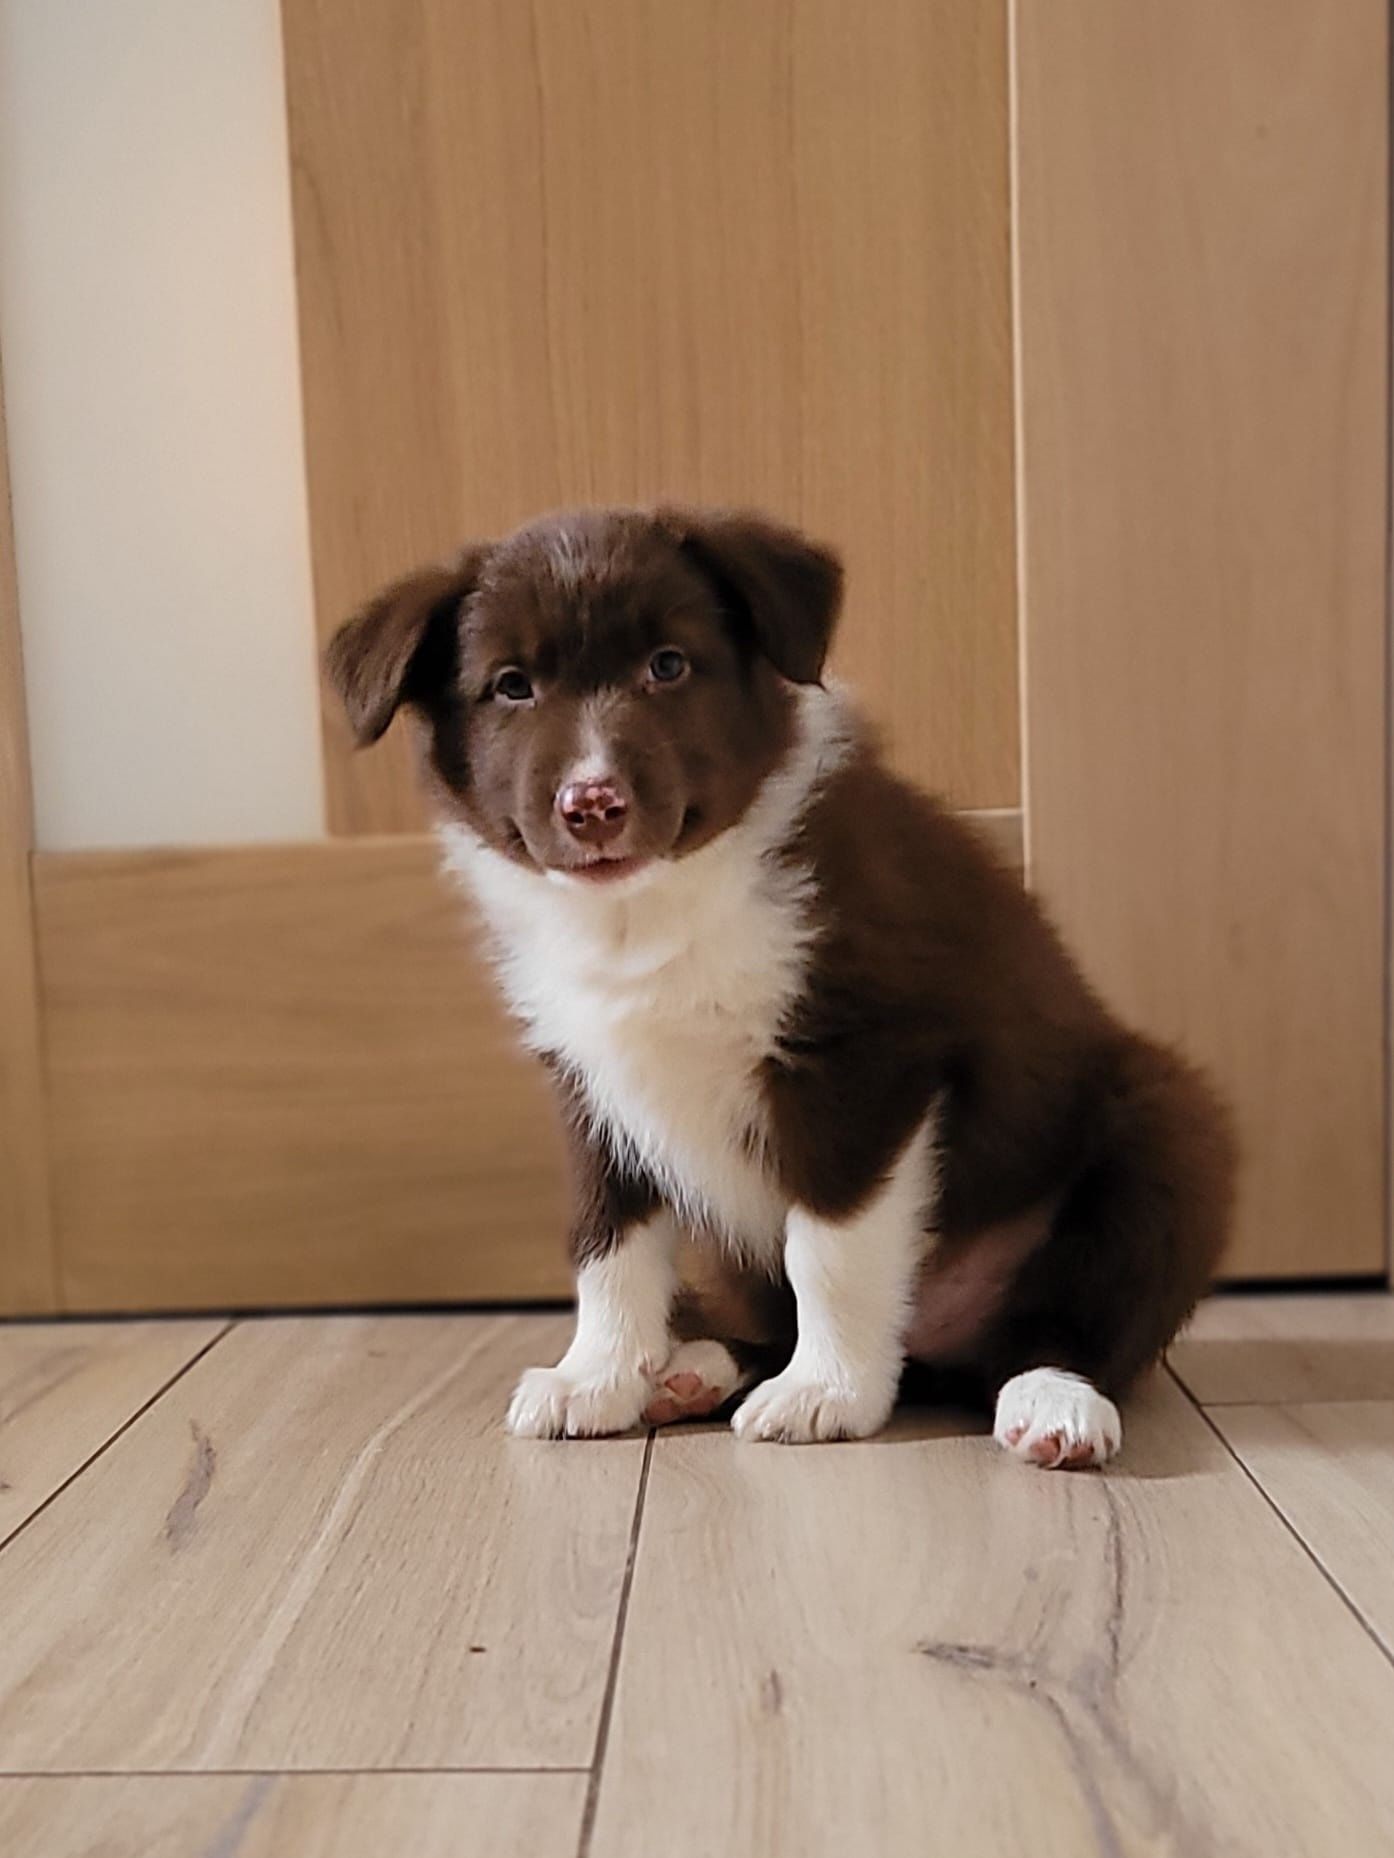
(602, 690)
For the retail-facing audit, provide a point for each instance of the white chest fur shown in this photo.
(663, 996)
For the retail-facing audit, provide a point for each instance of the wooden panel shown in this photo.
(1203, 338)
(611, 250)
(301, 1472)
(279, 1076)
(294, 1816)
(1289, 1348)
(66, 1388)
(1002, 828)
(1030, 1663)
(1330, 1470)
(26, 1269)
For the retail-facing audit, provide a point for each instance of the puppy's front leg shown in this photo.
(623, 1245)
(852, 1279)
(605, 1379)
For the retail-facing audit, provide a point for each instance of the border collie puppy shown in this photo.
(791, 1006)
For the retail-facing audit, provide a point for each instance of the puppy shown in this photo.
(791, 1006)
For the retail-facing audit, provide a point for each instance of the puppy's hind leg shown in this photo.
(698, 1378)
(731, 1327)
(1056, 1419)
(1130, 1250)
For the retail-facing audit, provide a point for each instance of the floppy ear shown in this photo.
(402, 647)
(788, 589)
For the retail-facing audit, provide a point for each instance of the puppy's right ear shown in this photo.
(403, 646)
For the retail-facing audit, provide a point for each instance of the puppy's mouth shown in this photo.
(604, 870)
(611, 867)
(597, 865)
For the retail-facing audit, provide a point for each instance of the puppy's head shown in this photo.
(600, 690)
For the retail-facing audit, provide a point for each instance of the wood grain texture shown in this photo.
(26, 1258)
(278, 1076)
(922, 1640)
(66, 1388)
(294, 1816)
(330, 1557)
(1241, 1349)
(613, 250)
(1330, 1469)
(1203, 255)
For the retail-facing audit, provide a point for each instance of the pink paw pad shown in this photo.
(682, 1396)
(700, 1377)
(1052, 1451)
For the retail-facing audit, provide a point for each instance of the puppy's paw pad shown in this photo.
(550, 1403)
(795, 1410)
(698, 1378)
(1057, 1420)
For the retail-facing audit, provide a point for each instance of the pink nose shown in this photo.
(594, 811)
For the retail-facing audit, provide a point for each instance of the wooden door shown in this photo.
(27, 1278)
(584, 250)
(593, 251)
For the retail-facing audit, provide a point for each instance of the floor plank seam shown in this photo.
(1369, 1628)
(213, 1774)
(119, 1433)
(607, 1703)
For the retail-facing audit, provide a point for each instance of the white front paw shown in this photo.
(555, 1403)
(799, 1408)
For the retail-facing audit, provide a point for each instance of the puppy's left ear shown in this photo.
(403, 647)
(786, 588)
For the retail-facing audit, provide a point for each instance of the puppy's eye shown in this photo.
(513, 686)
(667, 665)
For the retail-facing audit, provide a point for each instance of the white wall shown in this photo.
(147, 329)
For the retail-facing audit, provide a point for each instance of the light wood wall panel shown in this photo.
(26, 1279)
(278, 1076)
(1202, 211)
(611, 250)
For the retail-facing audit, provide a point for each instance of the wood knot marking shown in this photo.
(771, 1693)
(183, 1512)
(964, 1657)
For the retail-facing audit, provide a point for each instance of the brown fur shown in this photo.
(938, 976)
(1084, 1171)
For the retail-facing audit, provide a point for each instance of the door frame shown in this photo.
(27, 1273)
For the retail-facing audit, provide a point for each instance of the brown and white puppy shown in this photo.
(791, 1005)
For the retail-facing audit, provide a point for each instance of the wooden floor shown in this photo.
(280, 1588)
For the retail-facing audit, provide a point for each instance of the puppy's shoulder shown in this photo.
(872, 835)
